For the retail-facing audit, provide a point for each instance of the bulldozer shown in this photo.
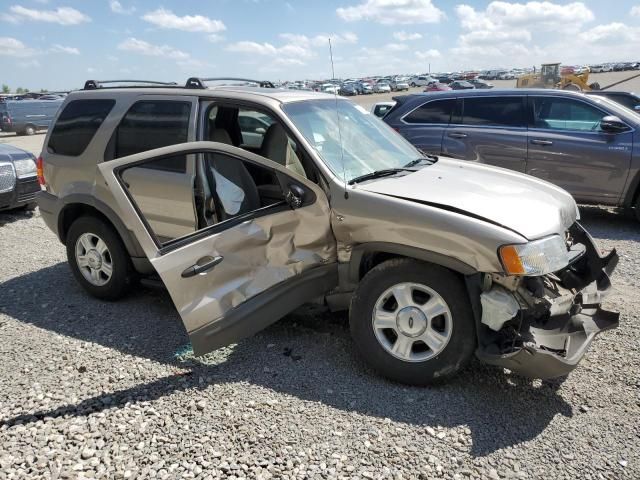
(551, 76)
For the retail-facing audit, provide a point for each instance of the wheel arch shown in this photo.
(77, 205)
(633, 191)
(366, 256)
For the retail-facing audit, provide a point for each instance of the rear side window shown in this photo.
(493, 111)
(77, 124)
(153, 124)
(437, 111)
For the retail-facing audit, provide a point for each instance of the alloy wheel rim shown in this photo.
(94, 259)
(412, 322)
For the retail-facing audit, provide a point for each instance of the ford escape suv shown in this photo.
(247, 202)
(586, 144)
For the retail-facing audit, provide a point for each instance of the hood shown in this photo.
(526, 205)
(9, 152)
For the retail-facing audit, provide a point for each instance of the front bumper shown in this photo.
(24, 192)
(556, 316)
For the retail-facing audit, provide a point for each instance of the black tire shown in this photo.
(572, 87)
(594, 86)
(29, 130)
(462, 342)
(122, 273)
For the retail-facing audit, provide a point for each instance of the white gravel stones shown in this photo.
(106, 390)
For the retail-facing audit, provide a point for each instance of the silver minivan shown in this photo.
(436, 259)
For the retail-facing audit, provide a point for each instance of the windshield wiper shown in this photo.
(429, 160)
(378, 174)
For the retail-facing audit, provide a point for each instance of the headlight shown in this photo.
(535, 258)
(25, 168)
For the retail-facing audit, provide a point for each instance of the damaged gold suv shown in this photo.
(247, 202)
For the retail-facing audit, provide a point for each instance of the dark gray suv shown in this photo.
(584, 144)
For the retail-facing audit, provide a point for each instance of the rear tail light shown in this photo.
(40, 171)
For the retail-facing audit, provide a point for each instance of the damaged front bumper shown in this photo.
(541, 327)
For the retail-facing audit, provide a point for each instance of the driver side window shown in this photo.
(565, 114)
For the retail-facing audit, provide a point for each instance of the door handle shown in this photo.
(457, 135)
(542, 142)
(196, 269)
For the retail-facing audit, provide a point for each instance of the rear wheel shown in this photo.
(98, 259)
(594, 86)
(412, 322)
(30, 130)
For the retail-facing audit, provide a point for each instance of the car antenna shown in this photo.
(335, 96)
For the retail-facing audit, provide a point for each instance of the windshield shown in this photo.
(368, 144)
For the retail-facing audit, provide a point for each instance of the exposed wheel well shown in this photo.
(72, 212)
(372, 259)
(364, 257)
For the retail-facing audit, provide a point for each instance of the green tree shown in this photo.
(44, 90)
(5, 88)
(19, 90)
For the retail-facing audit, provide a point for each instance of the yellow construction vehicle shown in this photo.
(550, 76)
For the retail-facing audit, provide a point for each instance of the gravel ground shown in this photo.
(106, 390)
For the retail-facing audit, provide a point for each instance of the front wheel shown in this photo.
(98, 259)
(412, 321)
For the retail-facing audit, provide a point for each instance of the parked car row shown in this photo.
(614, 67)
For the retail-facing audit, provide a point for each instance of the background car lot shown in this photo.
(108, 389)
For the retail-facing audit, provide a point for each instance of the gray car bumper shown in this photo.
(560, 316)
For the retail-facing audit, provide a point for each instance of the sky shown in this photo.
(58, 44)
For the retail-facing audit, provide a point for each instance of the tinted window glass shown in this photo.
(493, 111)
(565, 114)
(438, 111)
(154, 124)
(77, 124)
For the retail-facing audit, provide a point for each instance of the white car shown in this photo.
(400, 83)
(381, 87)
(330, 88)
(421, 81)
(380, 109)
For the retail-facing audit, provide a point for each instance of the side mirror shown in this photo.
(613, 124)
(295, 196)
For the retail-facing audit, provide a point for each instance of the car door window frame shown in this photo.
(217, 227)
(431, 100)
(531, 117)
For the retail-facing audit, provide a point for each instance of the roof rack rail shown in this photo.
(198, 82)
(95, 84)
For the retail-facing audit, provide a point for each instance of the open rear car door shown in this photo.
(262, 246)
